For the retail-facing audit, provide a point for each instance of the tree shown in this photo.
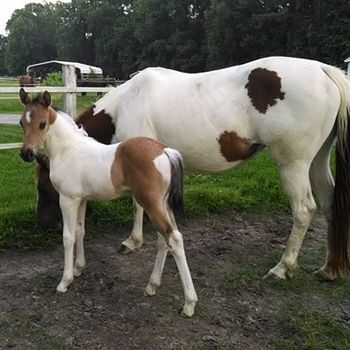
(74, 38)
(31, 37)
(3, 44)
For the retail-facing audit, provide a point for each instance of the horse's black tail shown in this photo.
(175, 191)
(338, 264)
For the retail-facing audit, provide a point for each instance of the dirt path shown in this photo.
(105, 308)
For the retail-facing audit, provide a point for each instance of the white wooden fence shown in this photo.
(69, 91)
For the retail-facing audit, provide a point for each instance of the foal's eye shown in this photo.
(42, 125)
(20, 122)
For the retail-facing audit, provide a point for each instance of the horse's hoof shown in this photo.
(150, 290)
(323, 275)
(124, 250)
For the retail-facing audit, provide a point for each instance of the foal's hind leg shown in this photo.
(296, 182)
(160, 218)
(156, 276)
(136, 238)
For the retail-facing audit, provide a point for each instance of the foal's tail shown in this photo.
(175, 191)
(338, 237)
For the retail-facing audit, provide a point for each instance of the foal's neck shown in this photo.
(63, 134)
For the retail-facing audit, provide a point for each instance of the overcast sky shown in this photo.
(8, 6)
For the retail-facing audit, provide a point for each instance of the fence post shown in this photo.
(69, 98)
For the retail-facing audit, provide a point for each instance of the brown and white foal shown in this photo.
(82, 169)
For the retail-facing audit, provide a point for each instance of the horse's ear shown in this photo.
(25, 98)
(47, 99)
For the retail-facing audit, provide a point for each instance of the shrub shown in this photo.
(53, 79)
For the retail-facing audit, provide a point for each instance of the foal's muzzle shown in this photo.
(27, 154)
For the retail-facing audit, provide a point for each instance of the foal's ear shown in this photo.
(47, 99)
(25, 98)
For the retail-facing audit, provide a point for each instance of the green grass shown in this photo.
(8, 81)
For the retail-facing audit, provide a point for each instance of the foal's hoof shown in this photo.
(61, 288)
(188, 310)
(278, 275)
(77, 271)
(281, 272)
(124, 249)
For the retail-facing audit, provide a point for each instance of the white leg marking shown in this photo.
(135, 240)
(79, 238)
(69, 209)
(178, 251)
(297, 186)
(156, 276)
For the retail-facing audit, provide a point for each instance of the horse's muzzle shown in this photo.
(27, 154)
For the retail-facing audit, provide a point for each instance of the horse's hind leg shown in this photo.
(295, 176)
(79, 240)
(135, 240)
(323, 185)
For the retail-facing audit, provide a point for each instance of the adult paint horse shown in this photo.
(82, 169)
(294, 107)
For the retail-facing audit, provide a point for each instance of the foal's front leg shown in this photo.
(79, 236)
(69, 209)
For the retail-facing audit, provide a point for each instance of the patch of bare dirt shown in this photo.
(105, 308)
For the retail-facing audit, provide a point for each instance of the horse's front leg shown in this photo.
(79, 237)
(136, 238)
(69, 209)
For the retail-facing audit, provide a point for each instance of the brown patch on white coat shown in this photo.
(135, 169)
(99, 126)
(234, 148)
(264, 88)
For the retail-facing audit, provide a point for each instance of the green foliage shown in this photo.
(190, 35)
(53, 79)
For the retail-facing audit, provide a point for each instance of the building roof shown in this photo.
(84, 68)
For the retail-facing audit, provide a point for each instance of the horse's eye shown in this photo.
(20, 122)
(42, 125)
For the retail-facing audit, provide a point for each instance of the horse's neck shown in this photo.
(62, 135)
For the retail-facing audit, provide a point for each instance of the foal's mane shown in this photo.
(78, 129)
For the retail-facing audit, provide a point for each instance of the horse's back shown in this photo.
(270, 101)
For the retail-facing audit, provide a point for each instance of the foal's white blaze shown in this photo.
(28, 118)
